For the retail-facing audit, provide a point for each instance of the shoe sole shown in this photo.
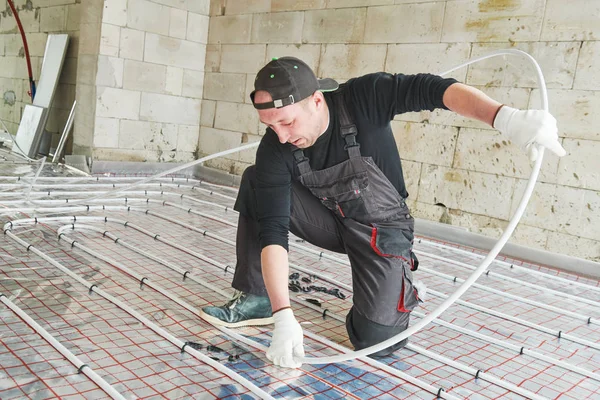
(248, 322)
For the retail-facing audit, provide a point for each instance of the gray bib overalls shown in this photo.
(349, 208)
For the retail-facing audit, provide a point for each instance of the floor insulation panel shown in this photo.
(116, 280)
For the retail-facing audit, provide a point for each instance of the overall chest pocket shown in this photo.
(347, 196)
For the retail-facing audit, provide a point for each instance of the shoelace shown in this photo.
(237, 297)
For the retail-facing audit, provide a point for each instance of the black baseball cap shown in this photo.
(288, 80)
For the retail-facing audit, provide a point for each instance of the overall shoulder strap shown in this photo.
(347, 127)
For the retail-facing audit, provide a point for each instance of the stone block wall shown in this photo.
(458, 171)
(142, 79)
(39, 18)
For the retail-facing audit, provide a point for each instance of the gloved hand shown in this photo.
(528, 127)
(288, 341)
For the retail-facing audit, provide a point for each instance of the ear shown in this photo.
(319, 99)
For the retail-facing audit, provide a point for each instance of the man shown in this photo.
(328, 170)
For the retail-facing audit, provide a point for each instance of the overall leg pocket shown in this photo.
(394, 243)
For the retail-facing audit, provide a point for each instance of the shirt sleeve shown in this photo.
(273, 194)
(383, 95)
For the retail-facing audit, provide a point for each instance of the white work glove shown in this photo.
(526, 128)
(288, 341)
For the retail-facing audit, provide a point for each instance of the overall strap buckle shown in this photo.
(299, 155)
(352, 146)
(350, 139)
(348, 128)
(301, 160)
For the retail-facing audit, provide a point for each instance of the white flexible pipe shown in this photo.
(100, 185)
(528, 394)
(558, 310)
(114, 178)
(226, 209)
(586, 318)
(520, 321)
(200, 182)
(162, 193)
(491, 255)
(517, 349)
(37, 174)
(378, 364)
(485, 338)
(80, 365)
(171, 171)
(139, 278)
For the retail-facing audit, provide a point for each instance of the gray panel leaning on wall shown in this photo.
(29, 135)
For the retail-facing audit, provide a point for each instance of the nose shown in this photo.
(283, 135)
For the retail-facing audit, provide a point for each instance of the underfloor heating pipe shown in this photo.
(80, 365)
(40, 193)
(344, 286)
(144, 281)
(162, 193)
(520, 349)
(178, 195)
(502, 263)
(76, 179)
(440, 391)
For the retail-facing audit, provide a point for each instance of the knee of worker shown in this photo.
(365, 333)
(245, 203)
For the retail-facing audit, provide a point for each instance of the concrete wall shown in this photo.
(38, 17)
(464, 165)
(141, 79)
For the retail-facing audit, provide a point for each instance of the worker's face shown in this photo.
(299, 124)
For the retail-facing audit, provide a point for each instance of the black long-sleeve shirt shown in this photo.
(373, 102)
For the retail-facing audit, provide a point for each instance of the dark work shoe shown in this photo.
(244, 309)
